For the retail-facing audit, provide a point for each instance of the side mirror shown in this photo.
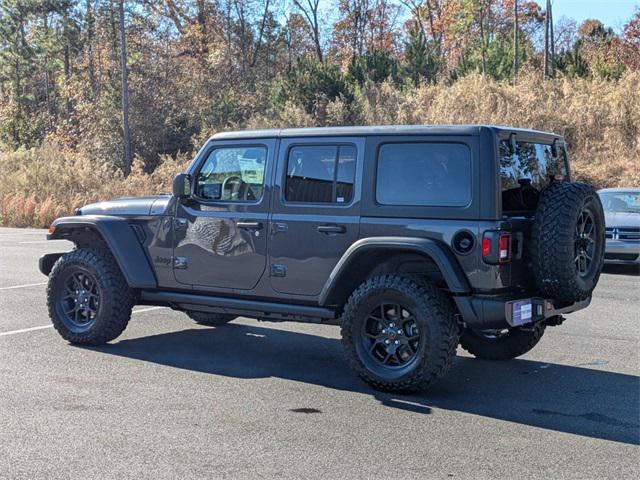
(182, 185)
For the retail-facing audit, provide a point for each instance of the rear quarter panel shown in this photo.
(442, 223)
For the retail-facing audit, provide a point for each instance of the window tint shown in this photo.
(526, 172)
(320, 174)
(233, 174)
(427, 174)
(531, 161)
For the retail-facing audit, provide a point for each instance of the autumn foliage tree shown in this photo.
(198, 66)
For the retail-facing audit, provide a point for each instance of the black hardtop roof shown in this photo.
(375, 130)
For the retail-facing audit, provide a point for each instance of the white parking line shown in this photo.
(42, 327)
(24, 330)
(23, 286)
(148, 309)
(22, 233)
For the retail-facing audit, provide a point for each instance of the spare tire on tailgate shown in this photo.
(568, 241)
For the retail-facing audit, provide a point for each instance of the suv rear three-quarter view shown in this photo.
(414, 239)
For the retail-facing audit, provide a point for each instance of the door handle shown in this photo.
(250, 225)
(331, 229)
(279, 227)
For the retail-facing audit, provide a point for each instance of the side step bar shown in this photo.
(239, 306)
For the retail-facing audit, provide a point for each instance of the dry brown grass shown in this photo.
(600, 119)
(38, 185)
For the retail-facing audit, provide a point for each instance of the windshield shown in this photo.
(628, 202)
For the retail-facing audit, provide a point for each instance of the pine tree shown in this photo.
(421, 59)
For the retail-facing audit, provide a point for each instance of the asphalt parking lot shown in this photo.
(172, 399)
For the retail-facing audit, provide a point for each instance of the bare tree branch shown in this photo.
(310, 11)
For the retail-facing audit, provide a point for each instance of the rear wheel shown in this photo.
(211, 319)
(399, 333)
(504, 344)
(89, 300)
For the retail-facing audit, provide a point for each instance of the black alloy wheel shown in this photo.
(390, 335)
(79, 300)
(585, 243)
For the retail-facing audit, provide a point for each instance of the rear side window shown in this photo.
(424, 174)
(320, 174)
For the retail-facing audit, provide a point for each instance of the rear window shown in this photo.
(527, 171)
(424, 174)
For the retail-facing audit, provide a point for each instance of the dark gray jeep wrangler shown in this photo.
(413, 239)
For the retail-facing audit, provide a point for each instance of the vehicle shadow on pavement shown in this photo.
(573, 399)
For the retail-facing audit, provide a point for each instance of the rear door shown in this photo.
(316, 210)
(221, 231)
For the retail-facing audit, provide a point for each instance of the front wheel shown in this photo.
(504, 344)
(399, 333)
(89, 300)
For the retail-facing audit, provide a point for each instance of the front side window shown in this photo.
(233, 174)
(424, 174)
(320, 174)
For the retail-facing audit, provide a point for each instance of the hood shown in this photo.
(130, 206)
(621, 219)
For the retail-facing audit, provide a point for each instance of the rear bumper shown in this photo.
(490, 312)
(617, 251)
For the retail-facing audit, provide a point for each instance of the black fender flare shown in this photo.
(121, 241)
(437, 251)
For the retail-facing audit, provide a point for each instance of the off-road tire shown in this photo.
(434, 314)
(211, 319)
(515, 342)
(116, 298)
(554, 240)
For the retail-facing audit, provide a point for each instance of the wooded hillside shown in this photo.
(103, 97)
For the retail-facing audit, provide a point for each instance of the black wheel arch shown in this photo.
(364, 257)
(113, 233)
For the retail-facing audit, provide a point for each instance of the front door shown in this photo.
(221, 231)
(316, 210)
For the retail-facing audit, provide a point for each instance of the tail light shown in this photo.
(486, 246)
(497, 247)
(504, 247)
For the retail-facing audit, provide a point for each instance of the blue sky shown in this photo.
(613, 13)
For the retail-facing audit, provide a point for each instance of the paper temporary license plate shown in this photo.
(522, 312)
